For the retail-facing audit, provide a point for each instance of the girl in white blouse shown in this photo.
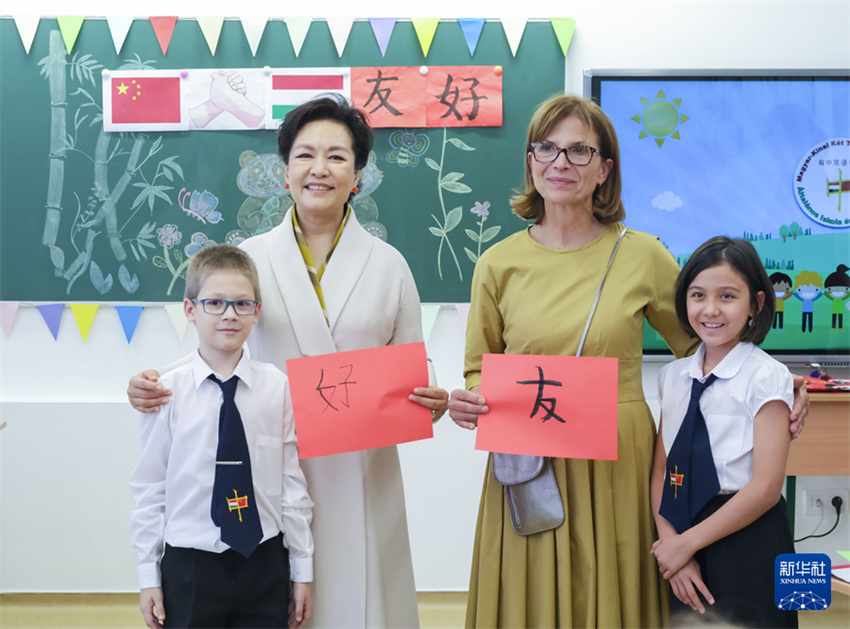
(723, 547)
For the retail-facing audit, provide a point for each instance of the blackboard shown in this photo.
(59, 242)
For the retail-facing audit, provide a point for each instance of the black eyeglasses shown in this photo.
(242, 307)
(577, 155)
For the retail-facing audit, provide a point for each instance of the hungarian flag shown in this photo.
(145, 100)
(295, 86)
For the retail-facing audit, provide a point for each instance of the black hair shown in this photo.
(838, 278)
(741, 256)
(777, 277)
(328, 107)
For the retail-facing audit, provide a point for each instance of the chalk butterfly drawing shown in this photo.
(201, 205)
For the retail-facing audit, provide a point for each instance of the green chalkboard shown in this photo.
(93, 216)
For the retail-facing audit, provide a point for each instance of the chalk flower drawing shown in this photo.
(449, 182)
(169, 236)
(482, 211)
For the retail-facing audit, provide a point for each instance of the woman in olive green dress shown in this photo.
(531, 294)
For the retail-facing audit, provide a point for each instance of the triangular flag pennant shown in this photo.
(564, 29)
(340, 28)
(211, 28)
(514, 28)
(163, 27)
(253, 27)
(463, 315)
(70, 26)
(84, 314)
(425, 28)
(129, 316)
(8, 310)
(471, 32)
(27, 25)
(52, 315)
(178, 319)
(298, 27)
(119, 26)
(429, 317)
(382, 27)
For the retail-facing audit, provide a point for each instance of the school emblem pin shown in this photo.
(676, 480)
(237, 503)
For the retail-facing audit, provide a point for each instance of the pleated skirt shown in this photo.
(595, 570)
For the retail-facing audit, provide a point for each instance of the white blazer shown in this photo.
(363, 573)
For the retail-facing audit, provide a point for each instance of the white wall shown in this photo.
(71, 439)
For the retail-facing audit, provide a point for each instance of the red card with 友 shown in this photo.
(349, 401)
(559, 406)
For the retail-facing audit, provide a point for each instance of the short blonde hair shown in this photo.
(219, 258)
(607, 205)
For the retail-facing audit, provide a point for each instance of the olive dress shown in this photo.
(595, 570)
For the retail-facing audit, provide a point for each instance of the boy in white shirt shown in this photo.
(210, 472)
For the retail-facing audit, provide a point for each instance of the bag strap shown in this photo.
(599, 291)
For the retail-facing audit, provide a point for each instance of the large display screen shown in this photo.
(764, 157)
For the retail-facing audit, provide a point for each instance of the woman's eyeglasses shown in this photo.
(577, 155)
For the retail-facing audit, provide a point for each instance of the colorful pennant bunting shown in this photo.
(129, 316)
(119, 26)
(340, 30)
(84, 315)
(253, 27)
(178, 319)
(425, 28)
(8, 310)
(514, 28)
(52, 315)
(27, 26)
(471, 32)
(382, 27)
(211, 28)
(163, 27)
(298, 27)
(70, 26)
(564, 29)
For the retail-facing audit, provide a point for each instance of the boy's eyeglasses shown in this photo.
(243, 307)
(577, 155)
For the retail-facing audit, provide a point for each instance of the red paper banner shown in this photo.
(392, 96)
(464, 96)
(446, 96)
(560, 406)
(358, 400)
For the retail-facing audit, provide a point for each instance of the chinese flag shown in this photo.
(145, 100)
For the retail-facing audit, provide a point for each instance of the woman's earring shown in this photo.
(355, 190)
(752, 322)
(286, 185)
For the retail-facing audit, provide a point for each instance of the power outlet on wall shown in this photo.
(822, 499)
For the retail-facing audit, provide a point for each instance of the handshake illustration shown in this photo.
(228, 93)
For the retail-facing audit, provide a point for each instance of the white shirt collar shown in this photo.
(202, 370)
(727, 368)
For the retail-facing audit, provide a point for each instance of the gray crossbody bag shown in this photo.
(530, 487)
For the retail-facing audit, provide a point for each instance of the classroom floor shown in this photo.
(437, 610)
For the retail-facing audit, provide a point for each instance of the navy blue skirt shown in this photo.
(739, 571)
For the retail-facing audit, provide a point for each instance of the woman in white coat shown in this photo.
(330, 286)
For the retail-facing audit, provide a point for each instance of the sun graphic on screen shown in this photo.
(660, 118)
